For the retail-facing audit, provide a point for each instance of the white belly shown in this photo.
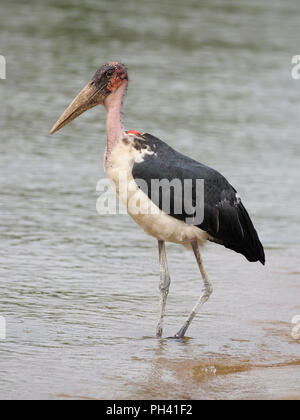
(143, 211)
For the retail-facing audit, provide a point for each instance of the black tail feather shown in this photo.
(250, 245)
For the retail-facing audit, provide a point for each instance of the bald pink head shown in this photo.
(106, 82)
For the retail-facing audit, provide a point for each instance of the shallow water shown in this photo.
(80, 292)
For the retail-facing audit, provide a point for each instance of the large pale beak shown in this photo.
(89, 97)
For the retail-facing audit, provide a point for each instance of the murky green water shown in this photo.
(80, 292)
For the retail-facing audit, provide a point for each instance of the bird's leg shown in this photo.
(206, 291)
(164, 285)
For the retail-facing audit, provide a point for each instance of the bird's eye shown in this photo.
(109, 73)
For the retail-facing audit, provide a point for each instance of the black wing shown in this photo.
(225, 217)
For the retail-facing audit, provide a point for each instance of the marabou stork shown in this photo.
(133, 156)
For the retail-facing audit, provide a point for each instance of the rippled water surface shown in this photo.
(79, 292)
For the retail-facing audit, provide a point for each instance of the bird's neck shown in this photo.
(114, 127)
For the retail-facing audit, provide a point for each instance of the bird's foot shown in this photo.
(159, 332)
(181, 332)
(177, 336)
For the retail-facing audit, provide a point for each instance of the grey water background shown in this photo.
(79, 291)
